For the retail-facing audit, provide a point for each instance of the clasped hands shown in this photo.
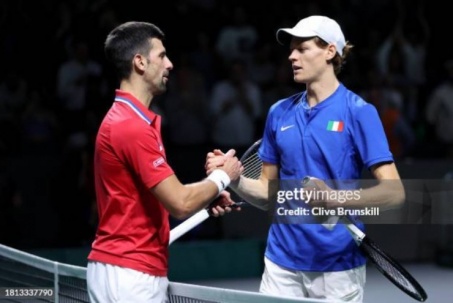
(233, 167)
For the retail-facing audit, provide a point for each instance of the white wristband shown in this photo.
(220, 178)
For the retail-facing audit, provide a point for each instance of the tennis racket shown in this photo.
(252, 169)
(385, 263)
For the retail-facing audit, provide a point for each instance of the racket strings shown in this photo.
(252, 166)
(392, 271)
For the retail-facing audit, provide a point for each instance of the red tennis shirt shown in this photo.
(129, 159)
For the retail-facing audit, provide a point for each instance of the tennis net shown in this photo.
(19, 269)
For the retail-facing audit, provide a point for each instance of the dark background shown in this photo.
(46, 186)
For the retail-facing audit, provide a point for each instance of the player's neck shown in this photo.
(138, 92)
(319, 91)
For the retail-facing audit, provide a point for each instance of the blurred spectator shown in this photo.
(78, 83)
(389, 102)
(410, 40)
(105, 19)
(237, 40)
(39, 125)
(399, 132)
(205, 60)
(63, 22)
(262, 67)
(439, 110)
(402, 56)
(236, 105)
(188, 116)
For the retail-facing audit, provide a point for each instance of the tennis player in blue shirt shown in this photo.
(330, 133)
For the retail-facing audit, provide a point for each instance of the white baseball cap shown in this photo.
(325, 28)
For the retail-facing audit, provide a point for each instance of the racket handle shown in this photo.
(355, 232)
(187, 225)
(331, 221)
(238, 204)
(193, 221)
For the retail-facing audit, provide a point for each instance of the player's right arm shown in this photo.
(183, 200)
(139, 149)
(255, 192)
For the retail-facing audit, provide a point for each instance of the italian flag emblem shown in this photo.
(335, 126)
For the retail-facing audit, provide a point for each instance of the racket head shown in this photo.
(393, 270)
(251, 162)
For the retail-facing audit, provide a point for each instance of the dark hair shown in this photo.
(127, 40)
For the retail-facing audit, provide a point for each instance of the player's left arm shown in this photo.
(388, 193)
(370, 141)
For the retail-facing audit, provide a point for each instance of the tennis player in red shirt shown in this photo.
(136, 189)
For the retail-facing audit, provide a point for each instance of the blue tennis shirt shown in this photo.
(333, 140)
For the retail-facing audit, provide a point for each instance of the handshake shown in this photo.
(227, 162)
(222, 168)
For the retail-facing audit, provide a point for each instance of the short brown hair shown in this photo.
(339, 60)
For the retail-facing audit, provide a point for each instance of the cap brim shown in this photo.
(284, 35)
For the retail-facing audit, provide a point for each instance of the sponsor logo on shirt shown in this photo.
(158, 161)
(283, 128)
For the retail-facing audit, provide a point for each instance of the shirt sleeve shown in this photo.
(369, 136)
(142, 151)
(268, 150)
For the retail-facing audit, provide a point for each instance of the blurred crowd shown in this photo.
(55, 88)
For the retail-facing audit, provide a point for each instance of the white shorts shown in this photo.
(115, 284)
(345, 285)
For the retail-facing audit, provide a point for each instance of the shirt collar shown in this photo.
(326, 102)
(144, 113)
